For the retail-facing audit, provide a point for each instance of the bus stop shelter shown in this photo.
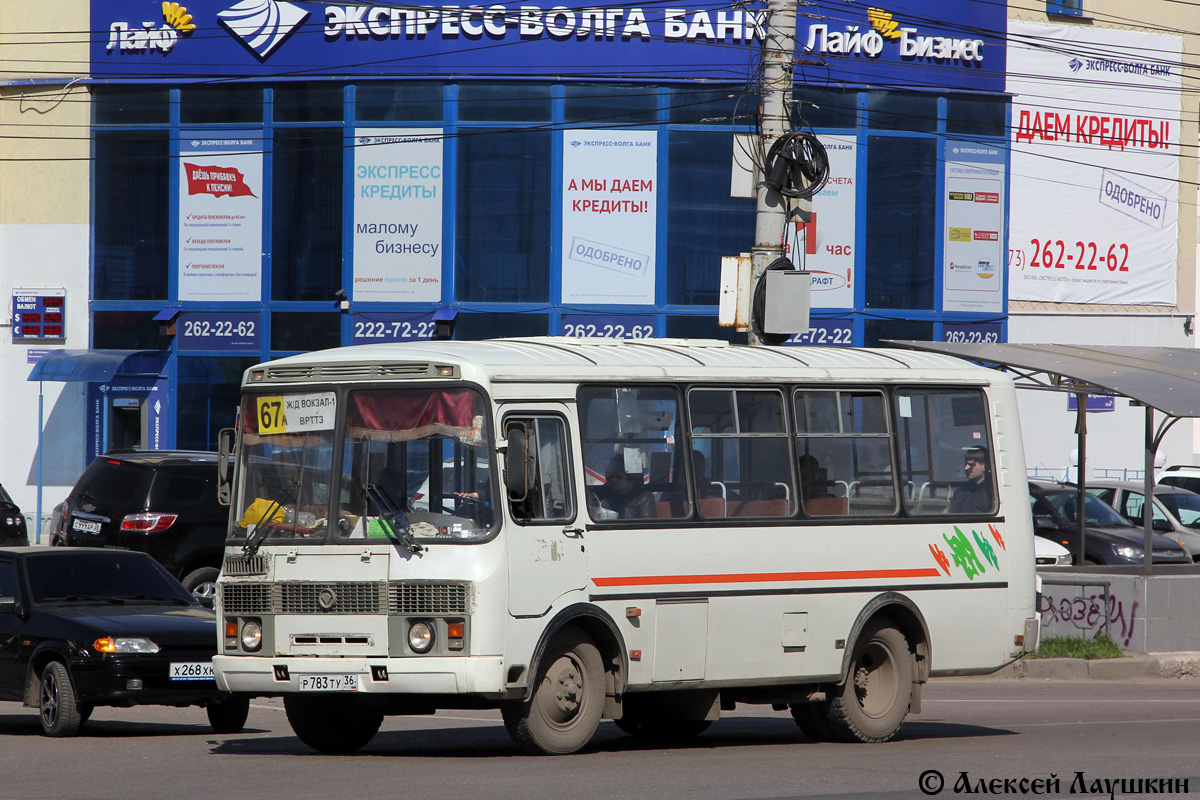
(1165, 380)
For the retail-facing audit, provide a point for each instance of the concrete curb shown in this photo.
(1135, 666)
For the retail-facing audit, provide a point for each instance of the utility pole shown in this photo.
(779, 54)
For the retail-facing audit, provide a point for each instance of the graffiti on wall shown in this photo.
(1064, 607)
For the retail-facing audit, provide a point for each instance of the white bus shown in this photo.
(649, 531)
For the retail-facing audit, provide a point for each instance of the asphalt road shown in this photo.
(989, 729)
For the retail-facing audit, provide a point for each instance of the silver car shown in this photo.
(1176, 511)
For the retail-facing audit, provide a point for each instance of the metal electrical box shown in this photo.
(786, 301)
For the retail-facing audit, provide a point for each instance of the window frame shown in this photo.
(1065, 8)
(890, 436)
(566, 458)
(733, 508)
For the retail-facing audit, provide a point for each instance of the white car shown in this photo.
(1048, 553)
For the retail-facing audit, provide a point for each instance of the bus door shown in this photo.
(546, 556)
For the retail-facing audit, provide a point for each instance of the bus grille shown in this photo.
(255, 565)
(402, 597)
(330, 598)
(411, 597)
(246, 598)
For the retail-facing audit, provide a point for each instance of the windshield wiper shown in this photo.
(76, 598)
(255, 539)
(178, 601)
(395, 516)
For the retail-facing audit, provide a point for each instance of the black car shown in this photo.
(13, 532)
(161, 502)
(1109, 539)
(82, 628)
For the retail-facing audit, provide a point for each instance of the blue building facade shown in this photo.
(272, 177)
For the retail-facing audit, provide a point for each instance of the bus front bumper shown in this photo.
(266, 675)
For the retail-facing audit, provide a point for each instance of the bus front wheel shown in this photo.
(874, 700)
(565, 707)
(332, 724)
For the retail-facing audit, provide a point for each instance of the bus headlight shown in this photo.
(420, 637)
(251, 634)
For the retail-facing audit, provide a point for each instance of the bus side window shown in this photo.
(744, 432)
(937, 429)
(632, 461)
(843, 451)
(548, 498)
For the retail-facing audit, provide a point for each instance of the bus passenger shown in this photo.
(705, 486)
(623, 496)
(814, 480)
(973, 496)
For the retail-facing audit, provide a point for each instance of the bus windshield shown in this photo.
(286, 467)
(416, 465)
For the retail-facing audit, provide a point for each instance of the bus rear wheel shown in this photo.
(332, 724)
(564, 710)
(874, 700)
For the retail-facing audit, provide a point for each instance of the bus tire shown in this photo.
(332, 724)
(874, 700)
(564, 709)
(813, 721)
(229, 715)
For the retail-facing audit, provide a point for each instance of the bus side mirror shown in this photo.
(518, 462)
(225, 443)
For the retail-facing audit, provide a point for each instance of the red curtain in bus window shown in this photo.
(397, 416)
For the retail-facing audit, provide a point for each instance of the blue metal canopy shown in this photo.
(94, 366)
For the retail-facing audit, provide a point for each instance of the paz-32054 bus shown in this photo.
(650, 531)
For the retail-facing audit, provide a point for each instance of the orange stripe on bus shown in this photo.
(770, 577)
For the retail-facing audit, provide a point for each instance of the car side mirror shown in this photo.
(206, 600)
(1044, 524)
(8, 605)
(1160, 525)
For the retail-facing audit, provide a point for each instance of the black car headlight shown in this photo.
(124, 644)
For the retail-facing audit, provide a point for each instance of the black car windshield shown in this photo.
(1095, 511)
(95, 575)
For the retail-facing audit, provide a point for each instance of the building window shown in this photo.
(1068, 8)
(207, 398)
(308, 102)
(398, 101)
(132, 215)
(225, 104)
(703, 221)
(901, 214)
(502, 248)
(306, 230)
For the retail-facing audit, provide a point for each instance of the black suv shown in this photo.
(161, 502)
(12, 524)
